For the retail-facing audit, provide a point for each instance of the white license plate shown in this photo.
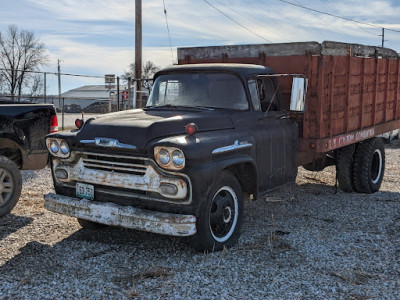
(84, 190)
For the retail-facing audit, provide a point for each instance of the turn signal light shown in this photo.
(191, 128)
(79, 123)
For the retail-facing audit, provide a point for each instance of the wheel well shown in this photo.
(246, 173)
(14, 154)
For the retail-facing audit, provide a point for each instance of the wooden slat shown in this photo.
(362, 89)
(386, 90)
(347, 98)
(330, 96)
(374, 93)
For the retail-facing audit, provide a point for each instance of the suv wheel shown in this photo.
(10, 185)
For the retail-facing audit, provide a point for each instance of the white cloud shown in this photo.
(97, 36)
(84, 10)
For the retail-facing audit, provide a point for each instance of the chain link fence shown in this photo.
(73, 95)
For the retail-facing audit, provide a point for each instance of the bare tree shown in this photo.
(20, 54)
(36, 85)
(2, 83)
(148, 71)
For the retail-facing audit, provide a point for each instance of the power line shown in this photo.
(241, 14)
(336, 16)
(233, 20)
(339, 12)
(53, 73)
(169, 35)
(271, 10)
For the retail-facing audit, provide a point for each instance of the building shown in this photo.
(97, 99)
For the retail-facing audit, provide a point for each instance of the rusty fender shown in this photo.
(123, 216)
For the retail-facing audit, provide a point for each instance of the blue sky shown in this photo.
(96, 37)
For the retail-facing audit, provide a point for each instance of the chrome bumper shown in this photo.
(123, 216)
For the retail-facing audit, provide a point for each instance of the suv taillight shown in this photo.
(53, 124)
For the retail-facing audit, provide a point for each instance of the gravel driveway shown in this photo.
(303, 241)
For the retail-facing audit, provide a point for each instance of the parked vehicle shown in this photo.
(72, 108)
(222, 125)
(23, 128)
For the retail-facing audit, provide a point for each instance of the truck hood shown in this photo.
(138, 127)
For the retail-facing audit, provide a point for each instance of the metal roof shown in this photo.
(92, 92)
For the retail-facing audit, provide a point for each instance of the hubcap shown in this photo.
(223, 214)
(376, 166)
(6, 186)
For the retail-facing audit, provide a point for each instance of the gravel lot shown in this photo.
(302, 241)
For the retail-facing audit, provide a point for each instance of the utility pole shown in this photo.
(138, 51)
(59, 93)
(383, 37)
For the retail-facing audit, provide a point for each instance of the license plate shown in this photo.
(84, 190)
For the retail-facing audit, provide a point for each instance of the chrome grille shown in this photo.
(117, 164)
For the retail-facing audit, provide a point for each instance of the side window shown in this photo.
(269, 101)
(252, 83)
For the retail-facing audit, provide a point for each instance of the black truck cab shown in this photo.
(180, 166)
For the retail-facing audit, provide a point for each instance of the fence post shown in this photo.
(62, 111)
(134, 103)
(118, 93)
(45, 87)
(129, 93)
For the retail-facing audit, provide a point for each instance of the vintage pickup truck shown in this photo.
(23, 128)
(221, 126)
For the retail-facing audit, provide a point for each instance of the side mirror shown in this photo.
(299, 93)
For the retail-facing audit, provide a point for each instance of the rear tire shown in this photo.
(10, 185)
(344, 168)
(369, 166)
(220, 217)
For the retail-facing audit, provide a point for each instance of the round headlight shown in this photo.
(64, 148)
(164, 157)
(178, 158)
(54, 146)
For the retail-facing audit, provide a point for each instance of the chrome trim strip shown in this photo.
(234, 147)
(109, 143)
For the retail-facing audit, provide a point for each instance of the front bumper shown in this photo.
(123, 216)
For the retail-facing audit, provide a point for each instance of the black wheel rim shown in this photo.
(6, 186)
(376, 166)
(223, 214)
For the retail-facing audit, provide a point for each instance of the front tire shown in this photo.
(220, 218)
(10, 185)
(369, 166)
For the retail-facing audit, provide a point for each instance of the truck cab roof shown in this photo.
(243, 70)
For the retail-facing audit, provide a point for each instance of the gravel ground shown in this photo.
(303, 241)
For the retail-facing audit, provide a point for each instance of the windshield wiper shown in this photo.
(166, 106)
(182, 107)
(205, 107)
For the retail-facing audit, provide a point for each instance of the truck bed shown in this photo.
(353, 90)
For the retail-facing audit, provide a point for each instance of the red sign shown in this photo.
(125, 95)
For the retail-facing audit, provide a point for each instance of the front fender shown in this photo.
(204, 175)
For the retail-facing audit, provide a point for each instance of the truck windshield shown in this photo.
(209, 90)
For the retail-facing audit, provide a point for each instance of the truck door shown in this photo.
(276, 138)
